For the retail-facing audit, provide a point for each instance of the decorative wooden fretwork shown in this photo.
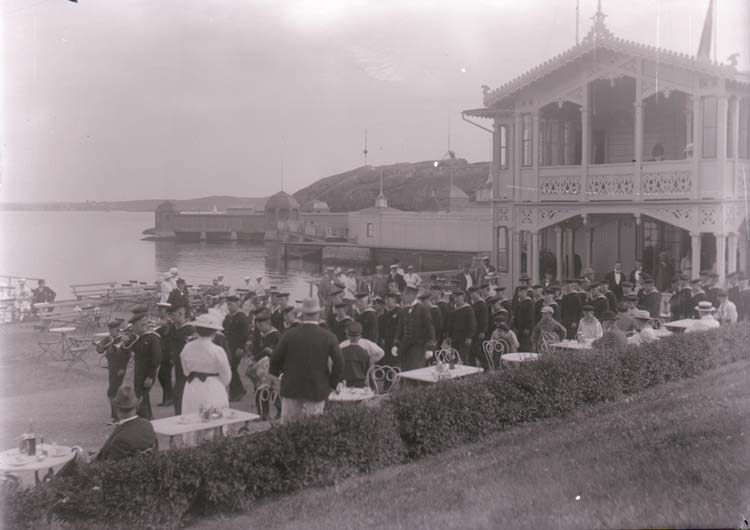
(667, 183)
(526, 216)
(503, 216)
(742, 180)
(709, 216)
(610, 186)
(560, 187)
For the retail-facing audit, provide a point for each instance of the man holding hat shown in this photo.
(366, 317)
(147, 354)
(237, 333)
(462, 325)
(387, 325)
(117, 360)
(415, 335)
(726, 313)
(303, 356)
(706, 318)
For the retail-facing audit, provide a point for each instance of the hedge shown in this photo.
(163, 489)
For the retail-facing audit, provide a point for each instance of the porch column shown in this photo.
(697, 144)
(721, 143)
(721, 251)
(638, 151)
(536, 149)
(515, 256)
(695, 254)
(570, 257)
(516, 159)
(732, 252)
(736, 130)
(534, 257)
(585, 142)
(587, 231)
(558, 253)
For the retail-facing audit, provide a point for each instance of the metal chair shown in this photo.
(264, 398)
(488, 349)
(383, 379)
(548, 338)
(446, 356)
(494, 350)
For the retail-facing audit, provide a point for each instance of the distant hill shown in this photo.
(406, 186)
(221, 202)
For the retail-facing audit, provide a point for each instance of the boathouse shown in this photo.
(617, 151)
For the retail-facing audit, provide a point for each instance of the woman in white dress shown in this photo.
(206, 367)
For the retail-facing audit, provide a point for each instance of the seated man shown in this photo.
(613, 337)
(133, 435)
(706, 318)
(356, 359)
(646, 333)
(375, 352)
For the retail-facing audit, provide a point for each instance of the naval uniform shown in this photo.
(481, 315)
(387, 324)
(237, 333)
(165, 368)
(571, 312)
(117, 363)
(651, 302)
(524, 323)
(147, 354)
(414, 335)
(462, 327)
(369, 321)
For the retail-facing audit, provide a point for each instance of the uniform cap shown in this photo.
(547, 309)
(587, 308)
(354, 329)
(608, 315)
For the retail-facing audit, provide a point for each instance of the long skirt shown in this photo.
(209, 393)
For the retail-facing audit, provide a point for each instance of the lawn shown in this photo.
(674, 456)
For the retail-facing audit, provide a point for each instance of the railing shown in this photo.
(318, 231)
(616, 182)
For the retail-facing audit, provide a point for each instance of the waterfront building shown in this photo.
(617, 151)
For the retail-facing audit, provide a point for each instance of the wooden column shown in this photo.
(534, 258)
(515, 256)
(732, 252)
(585, 142)
(570, 252)
(536, 147)
(587, 233)
(736, 130)
(697, 144)
(721, 144)
(721, 251)
(517, 156)
(695, 254)
(638, 147)
(558, 253)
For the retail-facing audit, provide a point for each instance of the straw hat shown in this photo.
(208, 321)
(705, 306)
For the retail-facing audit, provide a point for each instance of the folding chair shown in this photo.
(77, 349)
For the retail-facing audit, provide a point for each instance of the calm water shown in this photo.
(88, 247)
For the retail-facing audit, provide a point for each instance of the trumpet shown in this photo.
(120, 341)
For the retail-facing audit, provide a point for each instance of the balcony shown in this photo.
(665, 180)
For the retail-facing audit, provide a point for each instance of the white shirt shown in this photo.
(167, 286)
(202, 355)
(373, 350)
(618, 277)
(469, 280)
(590, 330)
(350, 286)
(727, 313)
(413, 279)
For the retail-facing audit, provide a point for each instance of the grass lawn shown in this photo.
(675, 456)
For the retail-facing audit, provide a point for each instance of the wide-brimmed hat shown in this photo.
(208, 321)
(705, 306)
(354, 329)
(125, 398)
(587, 308)
(310, 306)
(641, 314)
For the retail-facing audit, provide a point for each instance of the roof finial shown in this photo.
(599, 30)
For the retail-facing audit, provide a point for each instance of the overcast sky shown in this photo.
(127, 99)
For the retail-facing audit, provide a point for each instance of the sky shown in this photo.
(130, 99)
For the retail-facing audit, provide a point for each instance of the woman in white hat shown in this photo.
(206, 368)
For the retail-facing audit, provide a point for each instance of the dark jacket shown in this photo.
(147, 354)
(614, 286)
(180, 298)
(481, 314)
(356, 365)
(600, 305)
(461, 280)
(237, 331)
(523, 319)
(463, 325)
(302, 356)
(178, 340)
(651, 302)
(339, 327)
(369, 321)
(414, 327)
(128, 440)
(614, 338)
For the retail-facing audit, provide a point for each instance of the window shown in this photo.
(730, 127)
(502, 249)
(503, 147)
(710, 117)
(370, 230)
(527, 127)
(744, 139)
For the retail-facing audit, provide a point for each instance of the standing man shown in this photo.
(277, 317)
(651, 299)
(303, 356)
(698, 295)
(379, 282)
(326, 287)
(614, 279)
(164, 329)
(462, 326)
(341, 321)
(412, 278)
(570, 308)
(387, 325)
(415, 335)
(237, 333)
(636, 275)
(599, 301)
(43, 294)
(465, 279)
(180, 336)
(396, 276)
(117, 361)
(180, 296)
(147, 353)
(524, 320)
(435, 316)
(482, 317)
(367, 317)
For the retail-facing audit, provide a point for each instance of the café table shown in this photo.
(48, 457)
(63, 342)
(351, 395)
(679, 325)
(430, 374)
(177, 426)
(519, 357)
(573, 344)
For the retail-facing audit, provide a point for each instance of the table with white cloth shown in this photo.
(431, 374)
(26, 468)
(680, 325)
(573, 344)
(519, 357)
(177, 426)
(351, 395)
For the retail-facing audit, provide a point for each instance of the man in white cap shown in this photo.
(303, 356)
(706, 318)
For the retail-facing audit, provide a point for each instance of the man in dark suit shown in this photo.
(180, 297)
(465, 279)
(570, 308)
(462, 325)
(147, 353)
(387, 324)
(481, 314)
(181, 335)
(651, 299)
(523, 320)
(303, 355)
(237, 333)
(415, 334)
(614, 279)
(367, 317)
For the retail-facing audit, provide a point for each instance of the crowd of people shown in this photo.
(302, 350)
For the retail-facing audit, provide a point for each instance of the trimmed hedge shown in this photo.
(161, 490)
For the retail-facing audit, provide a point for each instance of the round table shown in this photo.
(352, 395)
(63, 330)
(520, 357)
(22, 466)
